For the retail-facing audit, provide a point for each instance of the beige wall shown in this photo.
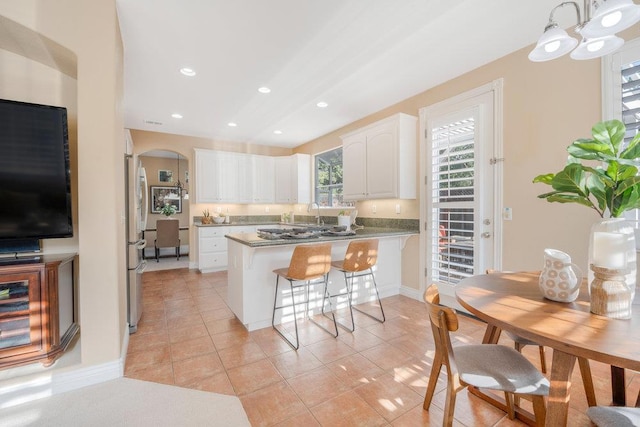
(90, 31)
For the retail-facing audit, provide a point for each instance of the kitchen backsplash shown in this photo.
(404, 224)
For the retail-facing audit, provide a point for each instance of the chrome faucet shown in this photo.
(314, 205)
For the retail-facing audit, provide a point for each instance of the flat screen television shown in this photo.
(35, 175)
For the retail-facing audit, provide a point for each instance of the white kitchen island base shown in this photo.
(251, 281)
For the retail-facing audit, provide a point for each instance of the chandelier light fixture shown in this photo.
(597, 32)
(179, 186)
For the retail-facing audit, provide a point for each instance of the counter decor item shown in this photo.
(344, 220)
(218, 219)
(610, 295)
(610, 187)
(206, 217)
(560, 279)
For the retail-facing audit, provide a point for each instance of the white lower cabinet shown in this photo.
(212, 249)
(212, 246)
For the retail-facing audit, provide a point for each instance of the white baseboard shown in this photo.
(83, 377)
(411, 293)
(46, 383)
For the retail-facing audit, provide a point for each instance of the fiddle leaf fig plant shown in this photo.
(611, 185)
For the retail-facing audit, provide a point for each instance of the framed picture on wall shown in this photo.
(165, 175)
(163, 195)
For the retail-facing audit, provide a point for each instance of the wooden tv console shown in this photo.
(38, 309)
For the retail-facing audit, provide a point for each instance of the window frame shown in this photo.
(611, 88)
(317, 158)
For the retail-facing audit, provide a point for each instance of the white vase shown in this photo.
(560, 279)
(612, 245)
(344, 221)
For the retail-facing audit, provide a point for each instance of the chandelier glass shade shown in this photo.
(597, 34)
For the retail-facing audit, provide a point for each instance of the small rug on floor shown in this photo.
(128, 402)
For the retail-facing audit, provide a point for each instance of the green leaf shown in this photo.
(570, 180)
(626, 172)
(545, 179)
(597, 188)
(600, 174)
(610, 133)
(588, 149)
(632, 152)
(626, 184)
(551, 193)
(570, 198)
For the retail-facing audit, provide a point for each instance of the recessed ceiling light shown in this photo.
(189, 72)
(264, 89)
(322, 104)
(232, 124)
(277, 132)
(176, 116)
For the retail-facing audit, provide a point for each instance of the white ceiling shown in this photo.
(359, 56)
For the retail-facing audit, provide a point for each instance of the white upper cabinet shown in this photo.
(263, 179)
(206, 171)
(379, 160)
(244, 175)
(283, 178)
(293, 179)
(354, 168)
(301, 178)
(225, 177)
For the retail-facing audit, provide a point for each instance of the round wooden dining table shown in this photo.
(513, 302)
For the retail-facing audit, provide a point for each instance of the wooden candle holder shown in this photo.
(610, 295)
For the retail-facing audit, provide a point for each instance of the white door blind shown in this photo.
(631, 98)
(630, 93)
(453, 200)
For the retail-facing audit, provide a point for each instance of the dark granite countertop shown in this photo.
(254, 241)
(236, 224)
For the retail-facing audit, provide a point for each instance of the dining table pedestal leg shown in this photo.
(560, 391)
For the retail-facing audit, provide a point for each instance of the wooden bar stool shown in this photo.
(358, 261)
(308, 263)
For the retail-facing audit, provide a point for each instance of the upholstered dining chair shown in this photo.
(585, 369)
(614, 416)
(487, 366)
(519, 342)
(167, 236)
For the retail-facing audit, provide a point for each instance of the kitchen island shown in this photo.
(252, 259)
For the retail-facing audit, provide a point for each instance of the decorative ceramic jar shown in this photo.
(344, 221)
(610, 295)
(560, 279)
(612, 246)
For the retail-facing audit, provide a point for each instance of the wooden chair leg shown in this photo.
(433, 380)
(539, 410)
(587, 381)
(512, 403)
(449, 405)
(509, 400)
(543, 361)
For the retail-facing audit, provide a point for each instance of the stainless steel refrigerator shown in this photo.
(137, 196)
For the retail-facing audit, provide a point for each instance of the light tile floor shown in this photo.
(374, 376)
